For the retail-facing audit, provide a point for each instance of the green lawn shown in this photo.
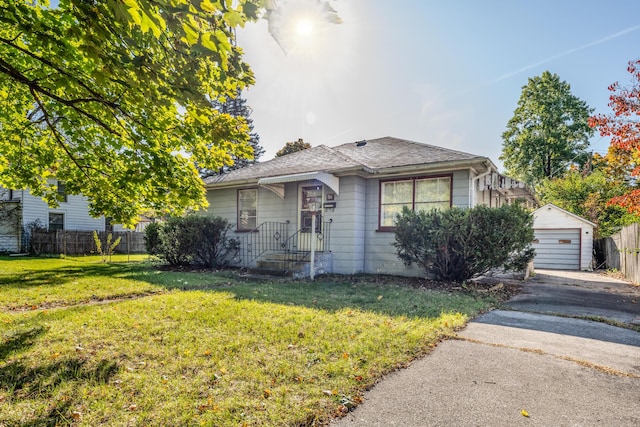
(200, 348)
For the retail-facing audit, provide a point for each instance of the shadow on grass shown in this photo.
(62, 275)
(386, 299)
(20, 341)
(326, 293)
(42, 381)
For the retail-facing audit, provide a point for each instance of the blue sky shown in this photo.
(447, 73)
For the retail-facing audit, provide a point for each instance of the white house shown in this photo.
(563, 241)
(71, 214)
(355, 190)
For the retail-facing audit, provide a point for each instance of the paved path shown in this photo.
(562, 371)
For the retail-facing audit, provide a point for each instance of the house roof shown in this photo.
(377, 155)
(559, 209)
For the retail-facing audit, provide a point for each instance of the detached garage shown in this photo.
(563, 241)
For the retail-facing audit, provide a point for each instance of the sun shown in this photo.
(305, 27)
(297, 25)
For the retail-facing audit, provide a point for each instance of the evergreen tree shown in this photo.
(237, 107)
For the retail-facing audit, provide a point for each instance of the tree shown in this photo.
(118, 99)
(623, 126)
(237, 107)
(548, 132)
(292, 147)
(586, 195)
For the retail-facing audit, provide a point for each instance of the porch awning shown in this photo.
(276, 183)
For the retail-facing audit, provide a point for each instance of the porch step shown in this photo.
(288, 256)
(281, 265)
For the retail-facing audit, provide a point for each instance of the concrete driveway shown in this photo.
(563, 371)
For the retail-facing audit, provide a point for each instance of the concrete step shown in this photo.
(287, 256)
(280, 265)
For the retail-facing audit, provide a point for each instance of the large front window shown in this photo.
(414, 193)
(247, 209)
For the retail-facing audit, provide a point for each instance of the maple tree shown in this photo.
(623, 127)
(117, 99)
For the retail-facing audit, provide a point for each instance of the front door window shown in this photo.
(311, 196)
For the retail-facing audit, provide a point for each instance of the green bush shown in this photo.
(457, 244)
(152, 238)
(192, 240)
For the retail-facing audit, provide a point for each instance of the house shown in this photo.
(563, 241)
(353, 193)
(20, 210)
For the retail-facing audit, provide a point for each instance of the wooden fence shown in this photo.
(69, 242)
(621, 252)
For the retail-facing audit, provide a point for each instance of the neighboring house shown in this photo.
(360, 187)
(563, 241)
(71, 214)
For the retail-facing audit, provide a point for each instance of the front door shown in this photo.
(309, 195)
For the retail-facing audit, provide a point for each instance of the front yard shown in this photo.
(88, 343)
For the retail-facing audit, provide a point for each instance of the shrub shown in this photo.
(191, 240)
(457, 244)
(152, 238)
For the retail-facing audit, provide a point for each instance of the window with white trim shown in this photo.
(247, 209)
(414, 193)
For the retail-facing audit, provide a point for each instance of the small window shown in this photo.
(62, 194)
(56, 221)
(247, 209)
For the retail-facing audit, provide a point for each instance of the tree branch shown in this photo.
(9, 70)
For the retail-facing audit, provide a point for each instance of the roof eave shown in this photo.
(478, 164)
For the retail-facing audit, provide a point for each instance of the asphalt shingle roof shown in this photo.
(378, 153)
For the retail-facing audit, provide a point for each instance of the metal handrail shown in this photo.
(264, 238)
(273, 237)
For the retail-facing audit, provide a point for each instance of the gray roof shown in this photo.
(376, 154)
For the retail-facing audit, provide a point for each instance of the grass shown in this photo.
(200, 348)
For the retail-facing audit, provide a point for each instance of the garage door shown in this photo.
(557, 249)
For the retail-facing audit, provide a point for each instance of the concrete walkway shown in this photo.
(562, 371)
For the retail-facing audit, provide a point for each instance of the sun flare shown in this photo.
(304, 27)
(298, 25)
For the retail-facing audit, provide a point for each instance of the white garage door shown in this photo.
(557, 249)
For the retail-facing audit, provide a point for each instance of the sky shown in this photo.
(446, 73)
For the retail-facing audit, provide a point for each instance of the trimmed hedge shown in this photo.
(457, 244)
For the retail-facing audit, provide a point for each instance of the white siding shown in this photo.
(550, 217)
(271, 208)
(348, 228)
(75, 210)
